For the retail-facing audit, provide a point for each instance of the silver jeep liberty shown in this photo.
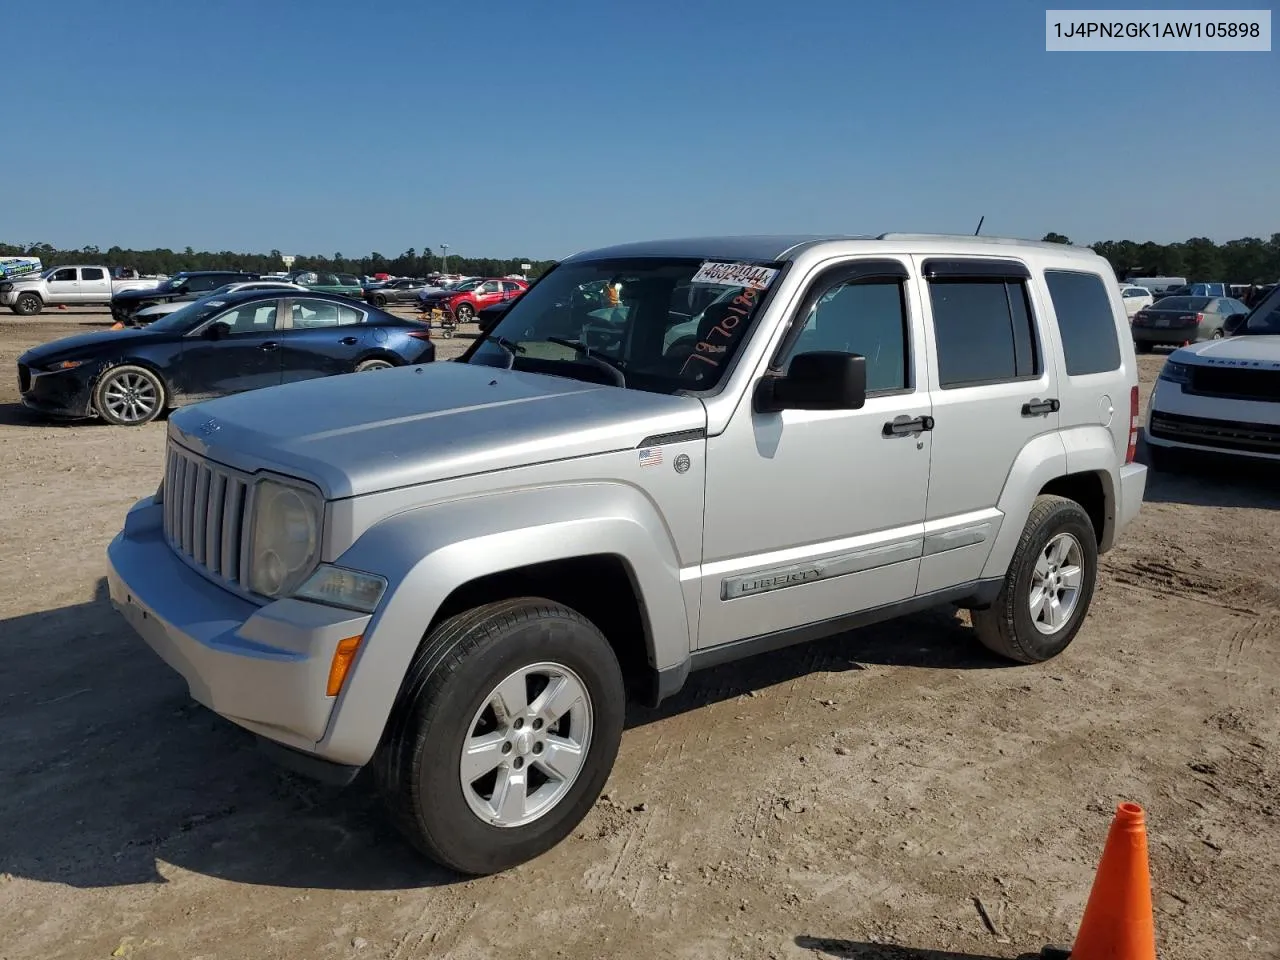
(663, 457)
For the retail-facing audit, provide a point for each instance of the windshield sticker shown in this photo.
(216, 303)
(735, 275)
(715, 344)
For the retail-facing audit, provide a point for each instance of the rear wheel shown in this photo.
(129, 396)
(1048, 587)
(379, 301)
(28, 305)
(1142, 346)
(504, 734)
(373, 364)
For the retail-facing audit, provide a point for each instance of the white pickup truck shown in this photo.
(27, 296)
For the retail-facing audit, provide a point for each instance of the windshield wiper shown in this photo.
(604, 363)
(510, 347)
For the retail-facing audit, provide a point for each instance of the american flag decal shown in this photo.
(650, 456)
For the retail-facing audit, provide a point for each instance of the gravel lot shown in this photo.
(833, 798)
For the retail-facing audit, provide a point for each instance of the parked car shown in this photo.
(342, 284)
(1221, 398)
(154, 312)
(1135, 298)
(67, 285)
(459, 304)
(1159, 286)
(124, 304)
(456, 576)
(221, 345)
(394, 291)
(1175, 321)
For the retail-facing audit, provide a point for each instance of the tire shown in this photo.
(373, 363)
(447, 698)
(1142, 346)
(379, 301)
(465, 313)
(129, 396)
(28, 305)
(1008, 627)
(1217, 334)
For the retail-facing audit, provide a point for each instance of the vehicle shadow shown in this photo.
(16, 415)
(1205, 481)
(111, 770)
(854, 950)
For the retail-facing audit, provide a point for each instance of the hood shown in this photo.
(1244, 351)
(84, 343)
(359, 434)
(144, 293)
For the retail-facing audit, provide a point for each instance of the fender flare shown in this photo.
(1091, 449)
(1044, 458)
(428, 552)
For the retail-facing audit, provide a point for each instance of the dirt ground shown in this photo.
(843, 799)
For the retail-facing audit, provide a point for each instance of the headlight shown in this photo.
(63, 365)
(1175, 372)
(285, 538)
(339, 587)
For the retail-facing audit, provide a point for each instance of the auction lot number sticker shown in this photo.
(735, 275)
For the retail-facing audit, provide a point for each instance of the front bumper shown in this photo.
(1214, 425)
(64, 393)
(264, 668)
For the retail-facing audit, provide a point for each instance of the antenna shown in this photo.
(980, 219)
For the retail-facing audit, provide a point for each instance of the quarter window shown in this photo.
(984, 331)
(867, 318)
(1085, 321)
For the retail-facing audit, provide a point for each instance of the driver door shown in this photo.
(246, 357)
(64, 286)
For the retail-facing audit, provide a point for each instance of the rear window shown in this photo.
(1085, 321)
(1184, 303)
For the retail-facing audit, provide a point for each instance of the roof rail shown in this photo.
(970, 238)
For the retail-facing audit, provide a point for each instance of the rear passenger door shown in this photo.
(324, 338)
(993, 384)
(95, 287)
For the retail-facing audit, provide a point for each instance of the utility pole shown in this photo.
(444, 258)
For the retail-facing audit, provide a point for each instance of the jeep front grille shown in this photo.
(204, 514)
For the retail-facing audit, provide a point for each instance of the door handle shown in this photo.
(349, 341)
(270, 345)
(905, 426)
(1037, 407)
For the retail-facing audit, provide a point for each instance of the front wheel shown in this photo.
(129, 396)
(505, 732)
(466, 313)
(28, 305)
(1048, 587)
(379, 301)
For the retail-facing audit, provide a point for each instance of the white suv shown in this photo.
(1221, 396)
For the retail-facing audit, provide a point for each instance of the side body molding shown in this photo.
(428, 552)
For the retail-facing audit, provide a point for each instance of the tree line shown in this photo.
(411, 263)
(1247, 260)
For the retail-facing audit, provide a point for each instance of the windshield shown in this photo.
(1265, 318)
(186, 318)
(661, 325)
(175, 283)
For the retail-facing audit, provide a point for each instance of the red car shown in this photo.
(461, 303)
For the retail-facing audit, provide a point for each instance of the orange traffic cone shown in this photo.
(1118, 922)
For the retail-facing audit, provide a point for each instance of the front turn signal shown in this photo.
(341, 665)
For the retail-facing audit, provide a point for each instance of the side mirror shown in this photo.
(822, 380)
(216, 331)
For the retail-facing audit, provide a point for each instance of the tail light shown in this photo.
(1199, 319)
(1132, 453)
(420, 334)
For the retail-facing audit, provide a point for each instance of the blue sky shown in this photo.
(531, 129)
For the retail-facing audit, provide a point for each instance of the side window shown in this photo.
(868, 317)
(258, 317)
(489, 286)
(309, 314)
(1085, 321)
(983, 330)
(327, 280)
(197, 284)
(65, 275)
(92, 273)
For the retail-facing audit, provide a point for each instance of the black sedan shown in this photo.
(213, 347)
(394, 291)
